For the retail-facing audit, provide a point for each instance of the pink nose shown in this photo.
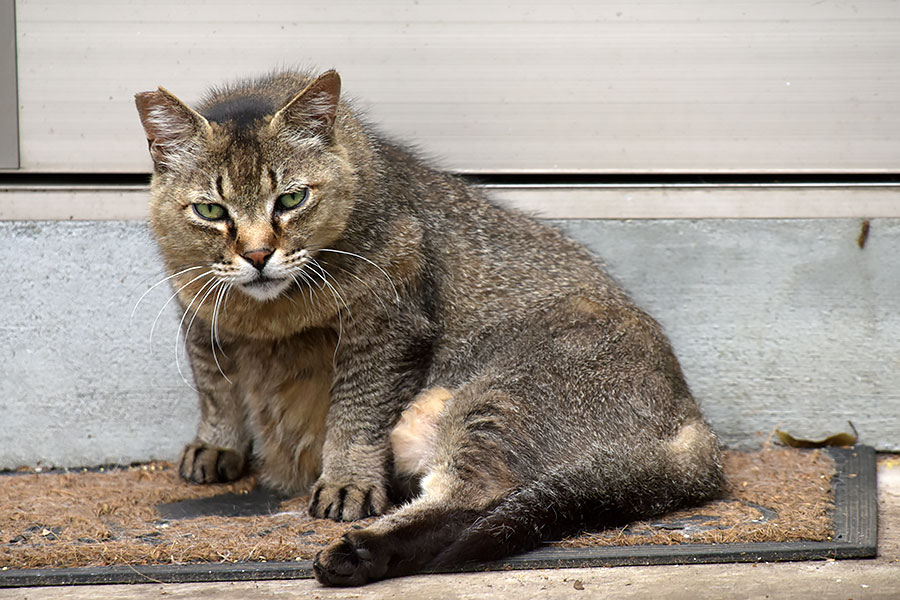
(258, 257)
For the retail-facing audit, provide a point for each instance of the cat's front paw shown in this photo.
(350, 561)
(343, 501)
(202, 463)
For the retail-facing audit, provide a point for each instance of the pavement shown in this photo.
(819, 580)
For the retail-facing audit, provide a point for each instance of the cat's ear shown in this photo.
(173, 129)
(311, 113)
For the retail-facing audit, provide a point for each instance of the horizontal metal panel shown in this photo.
(776, 322)
(34, 202)
(638, 86)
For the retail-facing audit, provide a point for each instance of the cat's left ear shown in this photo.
(172, 127)
(311, 113)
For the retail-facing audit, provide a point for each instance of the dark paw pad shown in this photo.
(201, 463)
(346, 563)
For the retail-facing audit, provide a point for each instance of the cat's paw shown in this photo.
(347, 501)
(350, 561)
(202, 463)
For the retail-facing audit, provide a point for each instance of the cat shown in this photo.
(371, 331)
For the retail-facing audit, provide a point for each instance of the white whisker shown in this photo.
(230, 287)
(383, 272)
(221, 297)
(215, 285)
(337, 306)
(214, 329)
(300, 285)
(364, 282)
(187, 331)
(172, 297)
(334, 287)
(309, 284)
(157, 284)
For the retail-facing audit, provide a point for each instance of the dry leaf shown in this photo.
(838, 439)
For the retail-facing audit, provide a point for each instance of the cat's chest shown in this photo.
(270, 329)
(285, 389)
(273, 368)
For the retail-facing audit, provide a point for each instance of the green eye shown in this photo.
(210, 212)
(292, 200)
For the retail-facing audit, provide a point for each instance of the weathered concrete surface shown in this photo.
(823, 580)
(79, 381)
(776, 322)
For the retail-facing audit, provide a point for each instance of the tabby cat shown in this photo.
(371, 331)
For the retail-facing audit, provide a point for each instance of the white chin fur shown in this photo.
(269, 291)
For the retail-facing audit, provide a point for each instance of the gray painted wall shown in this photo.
(777, 322)
(79, 384)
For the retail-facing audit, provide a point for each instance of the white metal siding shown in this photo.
(638, 86)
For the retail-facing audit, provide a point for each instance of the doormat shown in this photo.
(143, 524)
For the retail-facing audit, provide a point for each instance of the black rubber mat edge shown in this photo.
(855, 521)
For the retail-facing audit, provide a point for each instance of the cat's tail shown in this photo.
(611, 489)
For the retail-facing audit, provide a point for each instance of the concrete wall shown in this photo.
(79, 382)
(776, 322)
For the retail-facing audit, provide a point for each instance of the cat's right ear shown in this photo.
(173, 129)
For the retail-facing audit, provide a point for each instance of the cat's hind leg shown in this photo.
(480, 502)
(458, 449)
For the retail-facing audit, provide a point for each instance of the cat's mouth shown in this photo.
(264, 288)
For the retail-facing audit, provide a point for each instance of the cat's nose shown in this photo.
(258, 258)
